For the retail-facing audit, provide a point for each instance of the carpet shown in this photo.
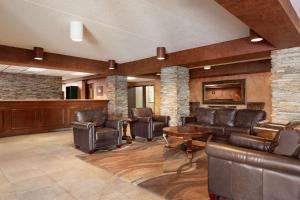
(164, 171)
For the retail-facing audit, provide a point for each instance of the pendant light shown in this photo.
(38, 53)
(111, 64)
(161, 53)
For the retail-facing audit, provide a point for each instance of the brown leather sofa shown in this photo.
(223, 122)
(92, 131)
(147, 125)
(253, 168)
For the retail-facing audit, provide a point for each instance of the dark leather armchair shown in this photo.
(147, 125)
(92, 131)
(252, 168)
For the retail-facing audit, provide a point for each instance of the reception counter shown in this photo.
(26, 117)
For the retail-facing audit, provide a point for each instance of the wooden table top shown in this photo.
(187, 131)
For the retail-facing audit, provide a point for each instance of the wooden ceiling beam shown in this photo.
(275, 20)
(24, 57)
(230, 51)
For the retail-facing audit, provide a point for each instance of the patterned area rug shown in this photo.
(165, 171)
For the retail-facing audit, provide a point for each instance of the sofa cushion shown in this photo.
(225, 117)
(288, 143)
(248, 118)
(205, 115)
(97, 117)
(242, 130)
(217, 130)
(106, 133)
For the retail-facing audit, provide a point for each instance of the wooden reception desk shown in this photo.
(25, 117)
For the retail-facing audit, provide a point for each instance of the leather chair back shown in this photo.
(98, 117)
(247, 118)
(141, 112)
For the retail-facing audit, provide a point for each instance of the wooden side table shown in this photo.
(125, 136)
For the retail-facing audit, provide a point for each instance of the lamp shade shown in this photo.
(76, 31)
(161, 53)
(254, 37)
(111, 64)
(38, 53)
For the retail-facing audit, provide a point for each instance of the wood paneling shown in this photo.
(232, 69)
(230, 51)
(24, 117)
(275, 20)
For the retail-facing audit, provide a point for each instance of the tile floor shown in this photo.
(45, 166)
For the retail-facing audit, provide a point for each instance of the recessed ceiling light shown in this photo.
(76, 31)
(208, 67)
(131, 78)
(33, 69)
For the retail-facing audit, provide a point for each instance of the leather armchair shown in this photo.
(92, 131)
(147, 125)
(252, 168)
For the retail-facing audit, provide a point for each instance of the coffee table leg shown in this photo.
(189, 149)
(165, 138)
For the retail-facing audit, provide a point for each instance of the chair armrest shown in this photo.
(161, 118)
(85, 125)
(251, 142)
(116, 124)
(254, 158)
(188, 119)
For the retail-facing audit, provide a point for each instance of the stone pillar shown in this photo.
(117, 94)
(286, 85)
(174, 92)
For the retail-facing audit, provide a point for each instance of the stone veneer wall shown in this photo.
(174, 93)
(286, 85)
(28, 87)
(117, 94)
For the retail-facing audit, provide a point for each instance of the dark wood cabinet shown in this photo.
(26, 117)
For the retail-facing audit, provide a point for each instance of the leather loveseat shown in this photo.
(223, 122)
(92, 131)
(253, 168)
(147, 125)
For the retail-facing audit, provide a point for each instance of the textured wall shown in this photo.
(258, 89)
(286, 85)
(117, 94)
(27, 86)
(174, 93)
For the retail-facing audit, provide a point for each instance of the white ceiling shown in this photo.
(49, 72)
(296, 4)
(123, 30)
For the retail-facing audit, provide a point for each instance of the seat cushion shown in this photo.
(224, 117)
(248, 118)
(158, 126)
(106, 133)
(205, 115)
(243, 130)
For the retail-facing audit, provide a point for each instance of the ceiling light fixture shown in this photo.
(111, 64)
(131, 78)
(33, 69)
(80, 74)
(157, 74)
(38, 53)
(76, 31)
(208, 67)
(254, 37)
(161, 53)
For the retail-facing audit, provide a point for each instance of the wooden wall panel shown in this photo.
(23, 118)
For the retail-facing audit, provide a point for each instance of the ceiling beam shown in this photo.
(232, 69)
(24, 57)
(230, 51)
(274, 20)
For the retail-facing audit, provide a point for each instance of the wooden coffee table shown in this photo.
(187, 133)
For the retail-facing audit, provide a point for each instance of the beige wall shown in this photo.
(99, 82)
(258, 88)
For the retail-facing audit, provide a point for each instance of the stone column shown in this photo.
(174, 92)
(286, 85)
(117, 94)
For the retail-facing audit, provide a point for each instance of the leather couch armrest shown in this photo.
(188, 119)
(251, 142)
(254, 158)
(161, 118)
(86, 125)
(116, 124)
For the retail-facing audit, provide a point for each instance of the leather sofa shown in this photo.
(147, 125)
(223, 122)
(92, 131)
(253, 168)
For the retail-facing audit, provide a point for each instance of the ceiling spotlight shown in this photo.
(157, 74)
(131, 78)
(38, 53)
(208, 67)
(254, 37)
(161, 53)
(76, 31)
(111, 64)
